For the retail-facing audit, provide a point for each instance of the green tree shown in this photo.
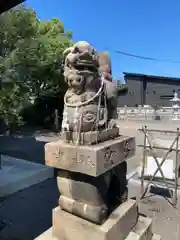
(122, 89)
(30, 60)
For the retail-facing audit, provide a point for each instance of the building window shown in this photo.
(154, 92)
(174, 90)
(166, 96)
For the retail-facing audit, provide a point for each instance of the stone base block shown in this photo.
(47, 235)
(17, 174)
(116, 227)
(156, 237)
(142, 230)
(98, 195)
(93, 137)
(132, 236)
(92, 160)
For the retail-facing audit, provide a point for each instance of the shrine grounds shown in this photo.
(27, 213)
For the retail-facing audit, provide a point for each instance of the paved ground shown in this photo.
(166, 218)
(26, 214)
(29, 146)
(130, 128)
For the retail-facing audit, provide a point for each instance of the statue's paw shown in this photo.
(112, 124)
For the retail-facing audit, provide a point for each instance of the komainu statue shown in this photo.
(90, 103)
(91, 154)
(91, 158)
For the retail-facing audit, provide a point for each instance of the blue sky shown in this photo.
(143, 27)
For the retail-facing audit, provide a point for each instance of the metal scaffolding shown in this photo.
(149, 146)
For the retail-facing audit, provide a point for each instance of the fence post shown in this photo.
(144, 159)
(56, 120)
(125, 111)
(176, 168)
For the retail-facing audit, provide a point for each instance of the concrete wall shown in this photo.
(149, 91)
(155, 90)
(134, 96)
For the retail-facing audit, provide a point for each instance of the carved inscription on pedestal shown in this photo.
(58, 154)
(108, 157)
(127, 149)
(74, 158)
(83, 159)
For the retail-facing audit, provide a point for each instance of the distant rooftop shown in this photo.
(150, 76)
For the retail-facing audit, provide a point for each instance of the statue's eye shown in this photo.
(75, 50)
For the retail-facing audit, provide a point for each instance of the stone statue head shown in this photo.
(81, 66)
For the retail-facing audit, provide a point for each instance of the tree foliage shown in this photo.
(122, 89)
(30, 60)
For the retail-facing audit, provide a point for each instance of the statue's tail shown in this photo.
(105, 65)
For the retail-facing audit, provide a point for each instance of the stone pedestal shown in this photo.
(91, 179)
(91, 156)
(93, 190)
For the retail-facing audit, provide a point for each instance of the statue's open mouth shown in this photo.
(84, 62)
(84, 66)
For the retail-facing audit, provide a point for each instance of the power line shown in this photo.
(142, 57)
(146, 58)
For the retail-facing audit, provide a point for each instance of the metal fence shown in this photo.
(146, 113)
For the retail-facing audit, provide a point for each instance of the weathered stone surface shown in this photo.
(92, 198)
(116, 227)
(47, 235)
(95, 214)
(91, 160)
(93, 137)
(156, 237)
(142, 230)
(133, 236)
(90, 103)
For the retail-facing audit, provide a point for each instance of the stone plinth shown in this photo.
(116, 227)
(92, 160)
(93, 137)
(141, 231)
(92, 198)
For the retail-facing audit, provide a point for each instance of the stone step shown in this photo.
(116, 227)
(142, 230)
(133, 236)
(156, 237)
(47, 235)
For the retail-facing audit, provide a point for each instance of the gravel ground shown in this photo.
(166, 218)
